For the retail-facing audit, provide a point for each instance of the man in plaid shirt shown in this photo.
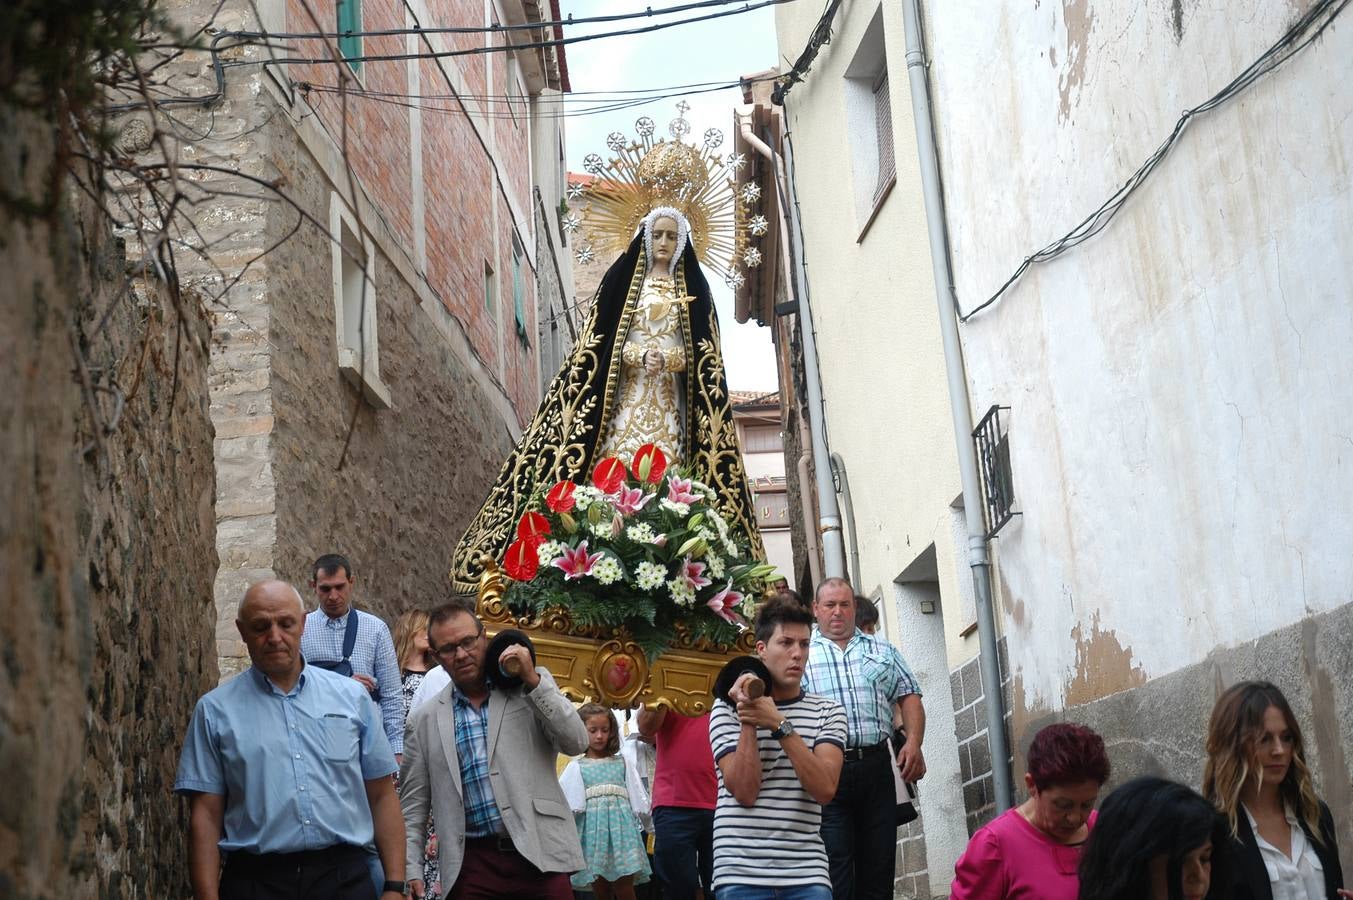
(868, 676)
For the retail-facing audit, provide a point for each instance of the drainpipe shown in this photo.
(839, 467)
(829, 516)
(978, 559)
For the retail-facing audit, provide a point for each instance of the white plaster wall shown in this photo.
(874, 309)
(882, 365)
(1181, 439)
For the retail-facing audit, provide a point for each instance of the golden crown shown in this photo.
(645, 173)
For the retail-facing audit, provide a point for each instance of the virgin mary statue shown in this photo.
(646, 368)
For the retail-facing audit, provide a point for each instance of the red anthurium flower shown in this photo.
(649, 463)
(609, 475)
(521, 562)
(533, 527)
(560, 498)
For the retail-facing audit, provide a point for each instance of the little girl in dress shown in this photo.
(607, 798)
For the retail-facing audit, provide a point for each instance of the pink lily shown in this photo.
(576, 563)
(694, 574)
(629, 501)
(724, 602)
(679, 490)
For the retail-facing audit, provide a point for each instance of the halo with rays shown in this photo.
(646, 173)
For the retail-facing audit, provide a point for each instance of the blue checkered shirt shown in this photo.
(472, 750)
(373, 654)
(867, 677)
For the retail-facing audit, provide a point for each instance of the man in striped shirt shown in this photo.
(867, 676)
(778, 760)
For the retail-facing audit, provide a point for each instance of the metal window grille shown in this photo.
(883, 134)
(993, 459)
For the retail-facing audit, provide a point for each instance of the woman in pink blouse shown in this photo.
(1031, 852)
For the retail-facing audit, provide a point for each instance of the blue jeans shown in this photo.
(793, 892)
(683, 850)
(859, 829)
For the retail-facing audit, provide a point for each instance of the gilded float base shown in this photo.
(610, 668)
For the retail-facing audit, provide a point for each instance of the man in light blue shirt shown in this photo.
(287, 770)
(868, 677)
(372, 663)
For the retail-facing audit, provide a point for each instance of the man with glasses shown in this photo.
(351, 642)
(481, 762)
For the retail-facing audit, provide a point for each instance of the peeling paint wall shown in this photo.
(1179, 384)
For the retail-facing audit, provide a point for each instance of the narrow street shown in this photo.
(1000, 349)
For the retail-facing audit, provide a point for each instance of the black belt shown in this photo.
(245, 862)
(500, 842)
(855, 754)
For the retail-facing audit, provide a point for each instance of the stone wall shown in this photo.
(414, 474)
(1160, 727)
(106, 544)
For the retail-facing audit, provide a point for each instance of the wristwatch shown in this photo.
(395, 887)
(783, 730)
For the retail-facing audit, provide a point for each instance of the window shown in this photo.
(349, 41)
(354, 285)
(869, 123)
(519, 287)
(762, 439)
(490, 291)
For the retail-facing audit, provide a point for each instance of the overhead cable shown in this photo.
(1297, 38)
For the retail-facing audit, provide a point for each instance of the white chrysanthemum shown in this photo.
(681, 509)
(716, 565)
(649, 576)
(749, 606)
(607, 570)
(641, 533)
(705, 534)
(730, 548)
(585, 496)
(549, 551)
(601, 529)
(682, 593)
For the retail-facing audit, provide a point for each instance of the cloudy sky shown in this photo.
(720, 50)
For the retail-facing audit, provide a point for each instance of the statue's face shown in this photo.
(665, 236)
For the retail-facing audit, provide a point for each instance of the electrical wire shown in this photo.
(1291, 43)
(475, 51)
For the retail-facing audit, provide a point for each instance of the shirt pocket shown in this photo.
(339, 738)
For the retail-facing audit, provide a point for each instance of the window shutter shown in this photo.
(350, 20)
(883, 132)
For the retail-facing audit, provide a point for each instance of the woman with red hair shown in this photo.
(1032, 851)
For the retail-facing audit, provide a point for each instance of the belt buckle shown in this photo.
(503, 843)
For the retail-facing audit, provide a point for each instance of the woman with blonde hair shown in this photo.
(1256, 775)
(416, 660)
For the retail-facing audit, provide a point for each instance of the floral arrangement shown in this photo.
(643, 549)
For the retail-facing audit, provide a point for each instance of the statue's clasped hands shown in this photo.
(653, 361)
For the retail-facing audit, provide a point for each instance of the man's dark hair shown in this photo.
(779, 610)
(791, 594)
(833, 581)
(328, 564)
(866, 613)
(450, 610)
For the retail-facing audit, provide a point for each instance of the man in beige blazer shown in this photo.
(482, 763)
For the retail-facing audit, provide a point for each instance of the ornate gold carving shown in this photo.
(588, 665)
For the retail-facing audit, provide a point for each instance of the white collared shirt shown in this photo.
(1299, 877)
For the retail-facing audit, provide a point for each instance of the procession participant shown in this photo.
(1156, 840)
(287, 770)
(482, 762)
(685, 788)
(779, 758)
(1031, 852)
(416, 663)
(351, 642)
(608, 799)
(867, 676)
(1257, 775)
